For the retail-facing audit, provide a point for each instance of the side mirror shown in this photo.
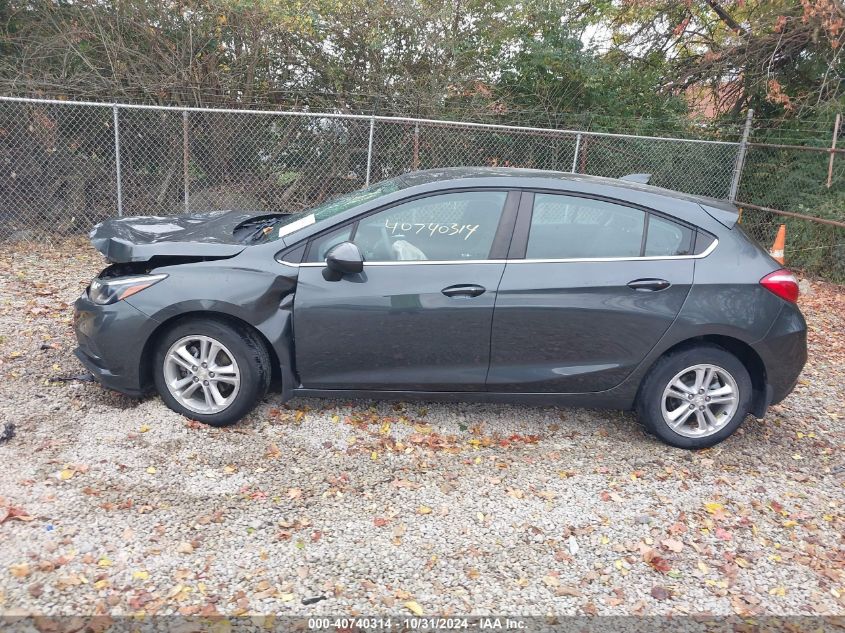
(343, 259)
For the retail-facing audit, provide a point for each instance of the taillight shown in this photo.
(783, 283)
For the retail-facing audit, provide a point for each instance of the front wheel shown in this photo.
(695, 397)
(210, 371)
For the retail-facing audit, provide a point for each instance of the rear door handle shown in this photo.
(649, 284)
(464, 290)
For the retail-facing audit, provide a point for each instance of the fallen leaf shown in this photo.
(20, 570)
(568, 591)
(723, 534)
(12, 512)
(657, 562)
(184, 548)
(673, 545)
(659, 592)
(414, 607)
(423, 510)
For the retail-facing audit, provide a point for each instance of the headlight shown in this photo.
(106, 291)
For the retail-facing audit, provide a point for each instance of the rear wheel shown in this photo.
(695, 397)
(210, 371)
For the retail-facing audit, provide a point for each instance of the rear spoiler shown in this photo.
(640, 178)
(722, 211)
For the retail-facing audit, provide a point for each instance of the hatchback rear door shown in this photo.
(590, 286)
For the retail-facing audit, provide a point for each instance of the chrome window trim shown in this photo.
(406, 263)
(647, 258)
(652, 258)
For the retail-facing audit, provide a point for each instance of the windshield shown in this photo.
(294, 222)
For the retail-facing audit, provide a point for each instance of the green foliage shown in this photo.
(797, 181)
(527, 62)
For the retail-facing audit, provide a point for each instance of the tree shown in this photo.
(779, 56)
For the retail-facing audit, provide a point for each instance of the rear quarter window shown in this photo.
(666, 238)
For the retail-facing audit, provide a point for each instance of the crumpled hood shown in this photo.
(137, 239)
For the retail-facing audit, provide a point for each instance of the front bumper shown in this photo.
(111, 343)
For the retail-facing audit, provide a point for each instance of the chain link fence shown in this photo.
(65, 166)
(803, 188)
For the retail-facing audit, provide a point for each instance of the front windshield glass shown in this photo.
(296, 221)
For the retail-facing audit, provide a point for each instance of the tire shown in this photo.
(240, 356)
(657, 404)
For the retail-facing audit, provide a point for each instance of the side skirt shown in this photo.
(588, 400)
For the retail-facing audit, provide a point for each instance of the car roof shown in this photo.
(444, 174)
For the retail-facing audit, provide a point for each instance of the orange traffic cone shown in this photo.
(780, 242)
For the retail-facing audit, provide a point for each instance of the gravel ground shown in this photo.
(385, 508)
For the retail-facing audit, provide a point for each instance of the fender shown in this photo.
(261, 298)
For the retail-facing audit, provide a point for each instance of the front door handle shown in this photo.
(464, 290)
(649, 285)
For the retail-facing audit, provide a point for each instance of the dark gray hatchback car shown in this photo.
(494, 285)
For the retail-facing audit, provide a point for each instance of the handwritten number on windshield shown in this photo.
(432, 228)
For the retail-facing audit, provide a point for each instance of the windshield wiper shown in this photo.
(261, 230)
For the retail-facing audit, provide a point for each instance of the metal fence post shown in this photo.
(185, 159)
(833, 149)
(575, 157)
(415, 165)
(740, 157)
(370, 149)
(582, 159)
(117, 160)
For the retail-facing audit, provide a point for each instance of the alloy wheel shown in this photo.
(700, 400)
(201, 374)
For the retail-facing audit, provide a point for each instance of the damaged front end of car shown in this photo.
(165, 269)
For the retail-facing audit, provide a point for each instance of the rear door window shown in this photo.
(569, 227)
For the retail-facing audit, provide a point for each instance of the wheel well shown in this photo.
(150, 345)
(746, 355)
